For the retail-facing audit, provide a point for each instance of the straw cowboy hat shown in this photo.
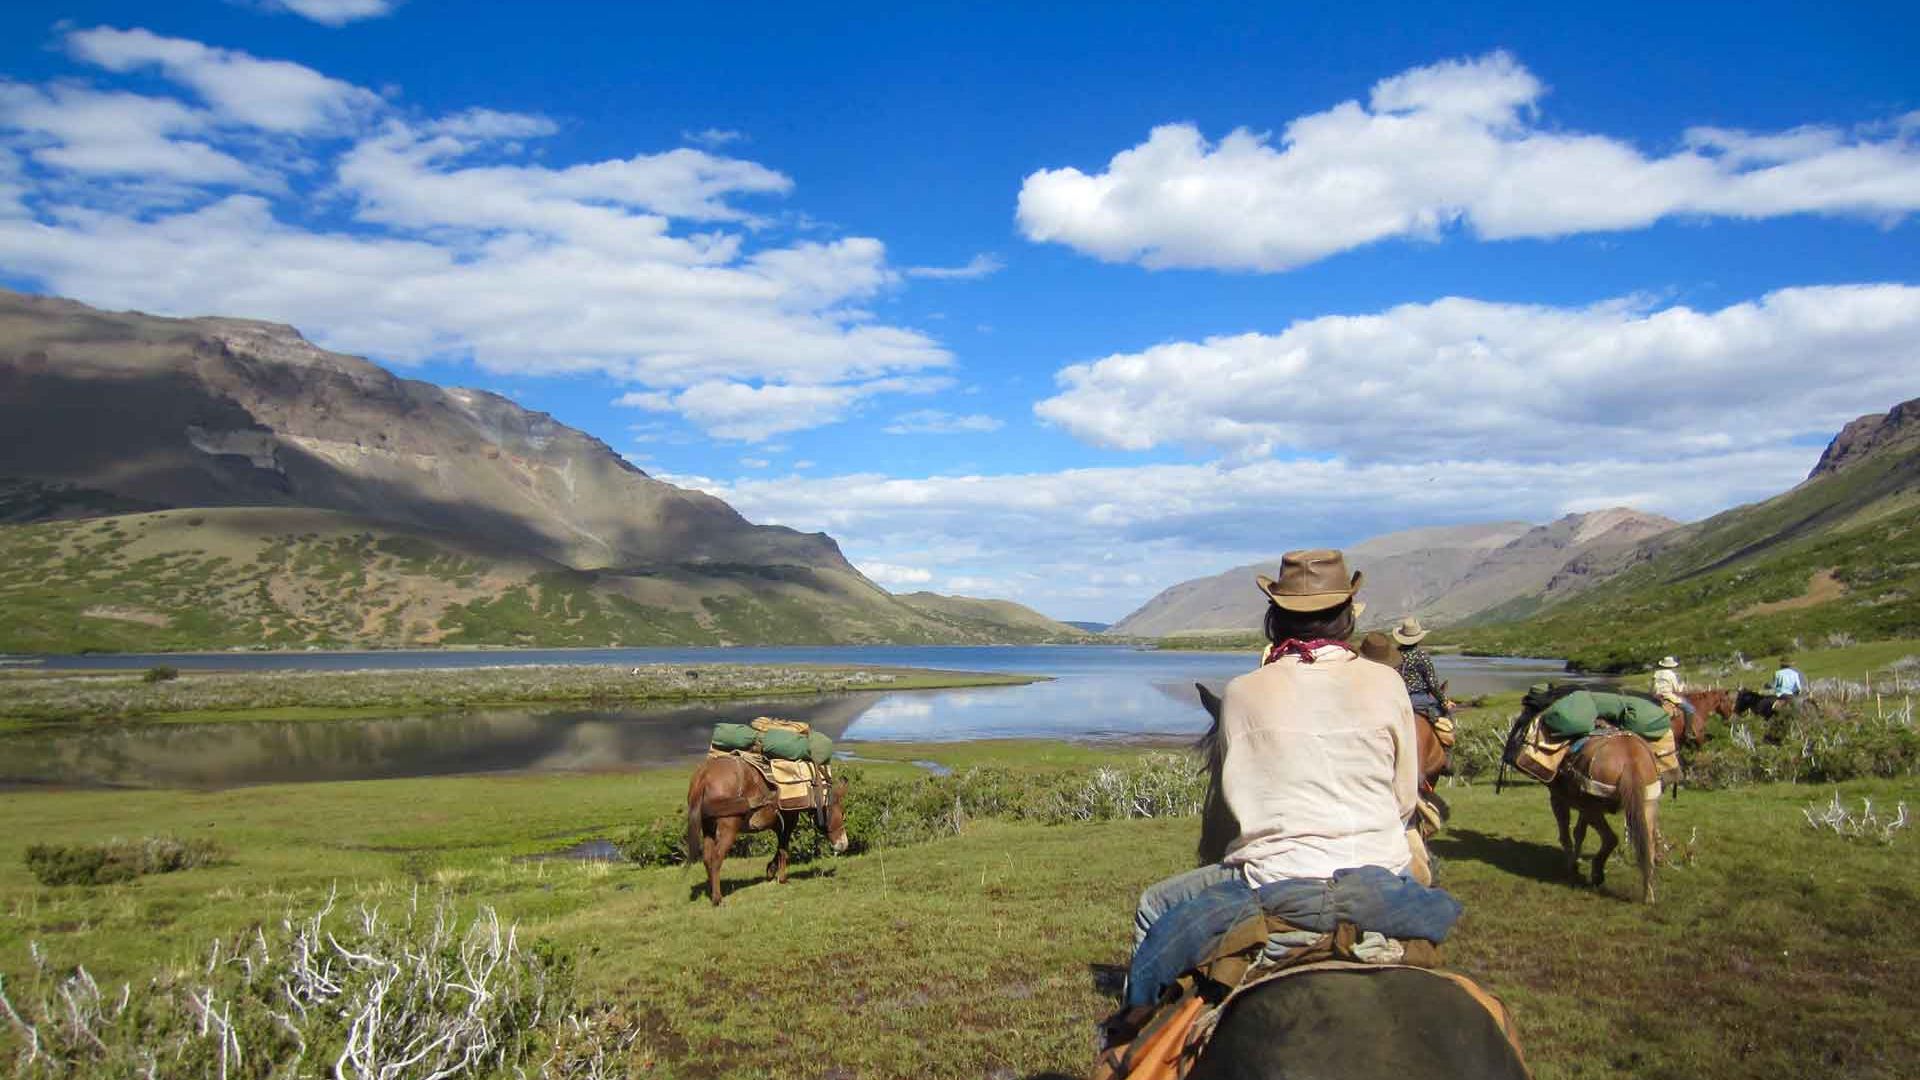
(1312, 581)
(1409, 632)
(1669, 662)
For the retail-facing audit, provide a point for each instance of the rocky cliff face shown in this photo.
(227, 412)
(1869, 435)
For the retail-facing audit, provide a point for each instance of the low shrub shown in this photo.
(162, 673)
(116, 860)
(360, 996)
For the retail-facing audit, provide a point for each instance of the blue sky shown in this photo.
(1063, 306)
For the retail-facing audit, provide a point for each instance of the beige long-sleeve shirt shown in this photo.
(1667, 685)
(1321, 767)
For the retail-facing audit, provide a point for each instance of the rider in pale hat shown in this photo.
(1668, 689)
(1344, 803)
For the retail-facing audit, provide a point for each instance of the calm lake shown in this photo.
(1093, 693)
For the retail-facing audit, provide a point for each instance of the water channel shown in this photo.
(1099, 693)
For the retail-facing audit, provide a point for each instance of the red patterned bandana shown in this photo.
(1301, 649)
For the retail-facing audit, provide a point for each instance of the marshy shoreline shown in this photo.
(35, 699)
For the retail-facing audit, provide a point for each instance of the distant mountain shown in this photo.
(1089, 627)
(1835, 558)
(340, 494)
(1441, 574)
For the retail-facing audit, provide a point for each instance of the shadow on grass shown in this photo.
(1523, 858)
(729, 886)
(1109, 980)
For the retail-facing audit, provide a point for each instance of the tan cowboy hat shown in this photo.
(1312, 580)
(1669, 662)
(1409, 632)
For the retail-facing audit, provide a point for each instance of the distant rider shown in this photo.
(1787, 682)
(1667, 687)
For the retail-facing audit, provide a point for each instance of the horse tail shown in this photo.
(1643, 815)
(695, 826)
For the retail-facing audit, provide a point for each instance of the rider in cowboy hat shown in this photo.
(1423, 684)
(1668, 688)
(1344, 803)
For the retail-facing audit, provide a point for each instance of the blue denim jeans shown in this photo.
(1201, 905)
(1163, 896)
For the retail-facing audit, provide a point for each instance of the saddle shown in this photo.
(1164, 1042)
(788, 754)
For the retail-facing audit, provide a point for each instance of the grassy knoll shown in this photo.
(1775, 950)
(54, 698)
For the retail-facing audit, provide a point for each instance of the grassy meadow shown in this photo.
(1775, 949)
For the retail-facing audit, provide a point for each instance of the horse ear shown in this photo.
(1209, 701)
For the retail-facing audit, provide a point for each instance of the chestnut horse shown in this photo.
(1705, 703)
(1624, 763)
(728, 797)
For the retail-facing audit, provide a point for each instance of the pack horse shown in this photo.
(765, 775)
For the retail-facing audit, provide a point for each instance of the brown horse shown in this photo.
(728, 797)
(1623, 764)
(1693, 732)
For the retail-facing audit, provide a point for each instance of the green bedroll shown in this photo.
(1575, 715)
(784, 745)
(819, 748)
(734, 737)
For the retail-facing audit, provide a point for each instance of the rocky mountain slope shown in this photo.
(1441, 574)
(1836, 557)
(113, 418)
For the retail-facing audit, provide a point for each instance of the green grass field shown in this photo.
(1774, 950)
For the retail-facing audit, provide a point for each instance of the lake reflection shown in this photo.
(1096, 693)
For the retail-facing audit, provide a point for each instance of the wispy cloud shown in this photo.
(1461, 143)
(983, 265)
(714, 138)
(936, 422)
(333, 12)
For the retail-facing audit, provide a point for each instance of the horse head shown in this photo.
(836, 815)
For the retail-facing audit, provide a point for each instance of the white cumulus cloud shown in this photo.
(1625, 379)
(1461, 143)
(440, 238)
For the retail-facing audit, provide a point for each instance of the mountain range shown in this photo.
(1441, 574)
(216, 482)
(1832, 560)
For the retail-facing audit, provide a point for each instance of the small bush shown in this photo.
(367, 995)
(116, 860)
(162, 673)
(660, 842)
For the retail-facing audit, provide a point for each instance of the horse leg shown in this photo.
(776, 867)
(725, 831)
(1608, 841)
(1567, 846)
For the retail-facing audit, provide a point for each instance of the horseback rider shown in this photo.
(1787, 682)
(1668, 689)
(1321, 766)
(1423, 683)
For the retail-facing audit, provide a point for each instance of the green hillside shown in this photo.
(1837, 557)
(251, 577)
